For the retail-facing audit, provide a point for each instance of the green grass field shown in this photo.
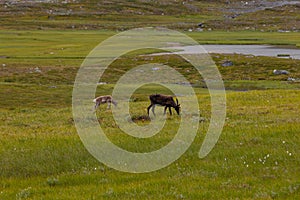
(42, 157)
(257, 155)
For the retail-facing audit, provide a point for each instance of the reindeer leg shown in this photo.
(149, 108)
(165, 110)
(97, 105)
(108, 105)
(114, 102)
(170, 110)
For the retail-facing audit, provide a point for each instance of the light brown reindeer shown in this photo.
(104, 99)
(163, 100)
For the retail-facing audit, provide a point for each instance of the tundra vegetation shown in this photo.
(41, 154)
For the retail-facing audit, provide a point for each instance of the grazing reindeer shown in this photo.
(104, 99)
(163, 100)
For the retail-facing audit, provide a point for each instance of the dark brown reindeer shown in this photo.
(104, 99)
(163, 100)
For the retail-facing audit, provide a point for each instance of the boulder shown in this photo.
(227, 63)
(279, 72)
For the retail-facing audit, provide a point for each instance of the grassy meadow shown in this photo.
(42, 157)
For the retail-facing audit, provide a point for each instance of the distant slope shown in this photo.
(120, 15)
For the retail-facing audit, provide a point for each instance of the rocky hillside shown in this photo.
(177, 14)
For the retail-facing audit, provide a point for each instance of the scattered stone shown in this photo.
(227, 63)
(293, 79)
(183, 83)
(37, 70)
(283, 31)
(201, 25)
(101, 83)
(279, 72)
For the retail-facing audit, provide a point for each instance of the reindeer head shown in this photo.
(177, 107)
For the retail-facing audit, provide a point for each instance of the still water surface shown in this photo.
(255, 50)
